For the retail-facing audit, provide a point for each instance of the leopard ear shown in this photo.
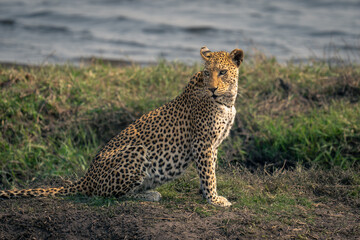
(205, 53)
(237, 56)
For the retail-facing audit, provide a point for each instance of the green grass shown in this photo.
(321, 136)
(53, 119)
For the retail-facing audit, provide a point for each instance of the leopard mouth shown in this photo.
(217, 101)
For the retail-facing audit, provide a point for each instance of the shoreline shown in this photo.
(88, 61)
(79, 63)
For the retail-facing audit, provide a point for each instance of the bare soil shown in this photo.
(62, 218)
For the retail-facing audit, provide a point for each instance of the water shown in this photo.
(57, 31)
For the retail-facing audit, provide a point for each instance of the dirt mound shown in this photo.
(61, 219)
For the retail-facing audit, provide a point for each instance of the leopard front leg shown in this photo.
(205, 159)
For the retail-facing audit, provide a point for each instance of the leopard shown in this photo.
(162, 144)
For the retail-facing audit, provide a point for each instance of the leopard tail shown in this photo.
(71, 189)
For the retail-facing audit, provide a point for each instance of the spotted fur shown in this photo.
(160, 145)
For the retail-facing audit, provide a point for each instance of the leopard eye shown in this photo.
(222, 72)
(206, 73)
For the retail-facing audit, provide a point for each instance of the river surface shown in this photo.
(58, 31)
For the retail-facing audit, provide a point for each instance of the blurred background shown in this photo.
(58, 31)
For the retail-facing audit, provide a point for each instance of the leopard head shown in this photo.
(220, 74)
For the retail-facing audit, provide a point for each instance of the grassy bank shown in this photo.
(54, 118)
(290, 165)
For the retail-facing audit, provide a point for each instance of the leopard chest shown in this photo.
(224, 120)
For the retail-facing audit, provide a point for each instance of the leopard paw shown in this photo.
(221, 202)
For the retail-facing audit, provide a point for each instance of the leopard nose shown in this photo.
(212, 90)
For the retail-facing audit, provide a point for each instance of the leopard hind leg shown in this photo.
(122, 174)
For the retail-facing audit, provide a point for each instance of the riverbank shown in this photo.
(290, 165)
